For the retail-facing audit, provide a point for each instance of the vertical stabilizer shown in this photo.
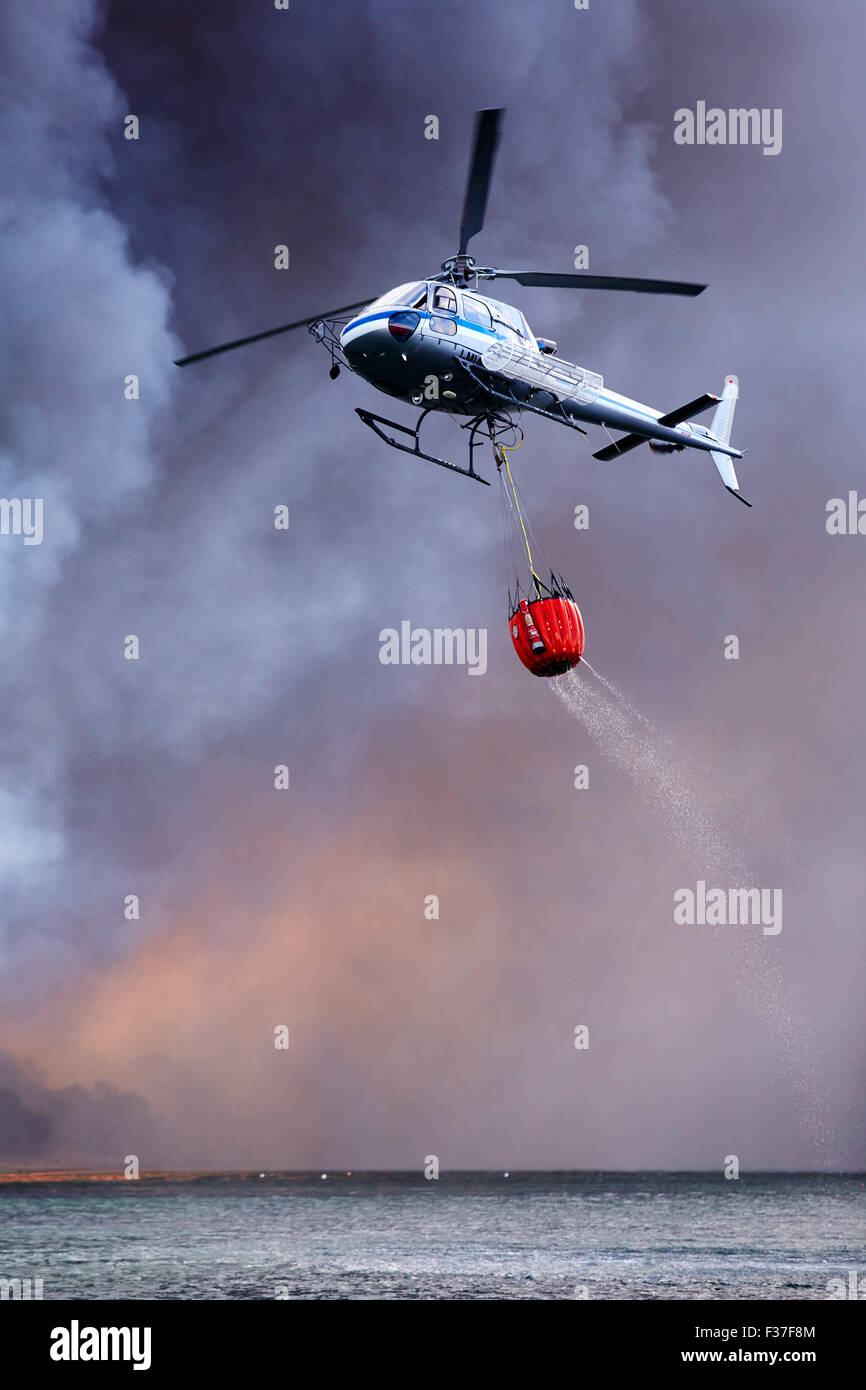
(723, 419)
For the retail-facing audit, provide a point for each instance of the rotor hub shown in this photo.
(461, 269)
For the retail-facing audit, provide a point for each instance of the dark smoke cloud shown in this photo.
(39, 1122)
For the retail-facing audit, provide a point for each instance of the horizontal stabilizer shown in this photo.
(622, 446)
(685, 412)
(673, 417)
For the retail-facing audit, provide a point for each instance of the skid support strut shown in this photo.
(374, 422)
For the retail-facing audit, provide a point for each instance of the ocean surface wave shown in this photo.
(463, 1236)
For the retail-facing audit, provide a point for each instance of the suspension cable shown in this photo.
(501, 453)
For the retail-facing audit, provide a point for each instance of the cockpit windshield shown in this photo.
(408, 295)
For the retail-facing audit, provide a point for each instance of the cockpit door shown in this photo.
(443, 300)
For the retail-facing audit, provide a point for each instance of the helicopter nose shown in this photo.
(365, 338)
(356, 334)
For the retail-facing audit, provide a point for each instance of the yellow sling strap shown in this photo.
(502, 458)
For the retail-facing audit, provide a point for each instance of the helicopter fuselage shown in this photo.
(438, 346)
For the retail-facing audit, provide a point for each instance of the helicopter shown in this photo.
(441, 345)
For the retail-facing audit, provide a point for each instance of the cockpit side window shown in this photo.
(444, 300)
(476, 311)
(501, 320)
(514, 319)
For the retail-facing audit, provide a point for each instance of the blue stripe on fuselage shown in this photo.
(632, 410)
(424, 314)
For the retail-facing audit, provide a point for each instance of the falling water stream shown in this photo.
(710, 839)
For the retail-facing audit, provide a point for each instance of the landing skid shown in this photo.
(374, 422)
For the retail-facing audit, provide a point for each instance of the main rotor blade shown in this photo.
(599, 282)
(478, 183)
(269, 333)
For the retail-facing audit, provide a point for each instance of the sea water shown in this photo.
(461, 1236)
